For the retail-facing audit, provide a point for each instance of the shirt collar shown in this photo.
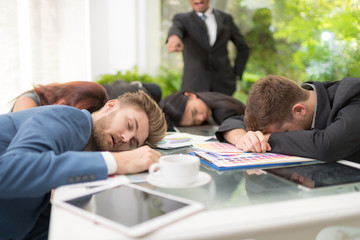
(207, 13)
(310, 86)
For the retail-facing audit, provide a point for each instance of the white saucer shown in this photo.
(201, 179)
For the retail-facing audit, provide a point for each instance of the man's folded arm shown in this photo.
(337, 141)
(32, 174)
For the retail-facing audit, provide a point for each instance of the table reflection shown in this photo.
(241, 187)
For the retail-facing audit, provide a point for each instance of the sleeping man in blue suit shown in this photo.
(45, 147)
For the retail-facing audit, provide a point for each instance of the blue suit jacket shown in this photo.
(40, 149)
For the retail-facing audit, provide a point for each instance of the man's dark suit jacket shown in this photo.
(336, 132)
(208, 68)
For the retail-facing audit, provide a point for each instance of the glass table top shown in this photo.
(235, 188)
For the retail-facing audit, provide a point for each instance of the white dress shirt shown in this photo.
(210, 23)
(110, 162)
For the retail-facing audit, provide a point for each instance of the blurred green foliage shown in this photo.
(324, 36)
(169, 80)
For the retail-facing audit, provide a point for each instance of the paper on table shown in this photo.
(137, 177)
(216, 147)
(177, 140)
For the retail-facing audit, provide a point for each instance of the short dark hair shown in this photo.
(270, 100)
(174, 105)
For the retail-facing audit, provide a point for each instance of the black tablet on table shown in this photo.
(320, 175)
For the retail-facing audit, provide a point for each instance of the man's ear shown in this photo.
(190, 95)
(110, 104)
(298, 110)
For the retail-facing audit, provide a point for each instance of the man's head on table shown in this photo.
(127, 122)
(278, 104)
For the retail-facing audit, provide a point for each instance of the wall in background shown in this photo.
(44, 41)
(124, 34)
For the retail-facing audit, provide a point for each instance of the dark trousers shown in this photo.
(41, 228)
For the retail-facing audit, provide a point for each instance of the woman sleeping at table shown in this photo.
(188, 108)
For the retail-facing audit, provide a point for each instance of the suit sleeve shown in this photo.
(338, 140)
(236, 122)
(47, 152)
(242, 49)
(177, 27)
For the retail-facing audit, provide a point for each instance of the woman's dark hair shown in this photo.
(80, 94)
(174, 105)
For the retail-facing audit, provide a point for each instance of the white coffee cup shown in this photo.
(176, 170)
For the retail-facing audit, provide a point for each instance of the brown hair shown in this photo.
(270, 100)
(80, 94)
(157, 123)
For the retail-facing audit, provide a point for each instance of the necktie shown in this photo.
(203, 18)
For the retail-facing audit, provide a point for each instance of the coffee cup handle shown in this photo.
(154, 168)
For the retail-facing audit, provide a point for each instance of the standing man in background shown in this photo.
(202, 35)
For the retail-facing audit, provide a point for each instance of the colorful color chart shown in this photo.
(217, 147)
(137, 177)
(226, 156)
(248, 159)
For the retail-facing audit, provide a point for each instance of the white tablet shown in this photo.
(129, 208)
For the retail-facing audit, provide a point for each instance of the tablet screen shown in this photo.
(127, 205)
(318, 175)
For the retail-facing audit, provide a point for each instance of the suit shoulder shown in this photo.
(69, 121)
(182, 15)
(64, 113)
(350, 86)
(351, 81)
(65, 110)
(222, 14)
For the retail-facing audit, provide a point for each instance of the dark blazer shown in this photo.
(119, 87)
(235, 122)
(208, 68)
(336, 132)
(40, 149)
(220, 114)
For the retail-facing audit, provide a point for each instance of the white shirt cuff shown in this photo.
(110, 162)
